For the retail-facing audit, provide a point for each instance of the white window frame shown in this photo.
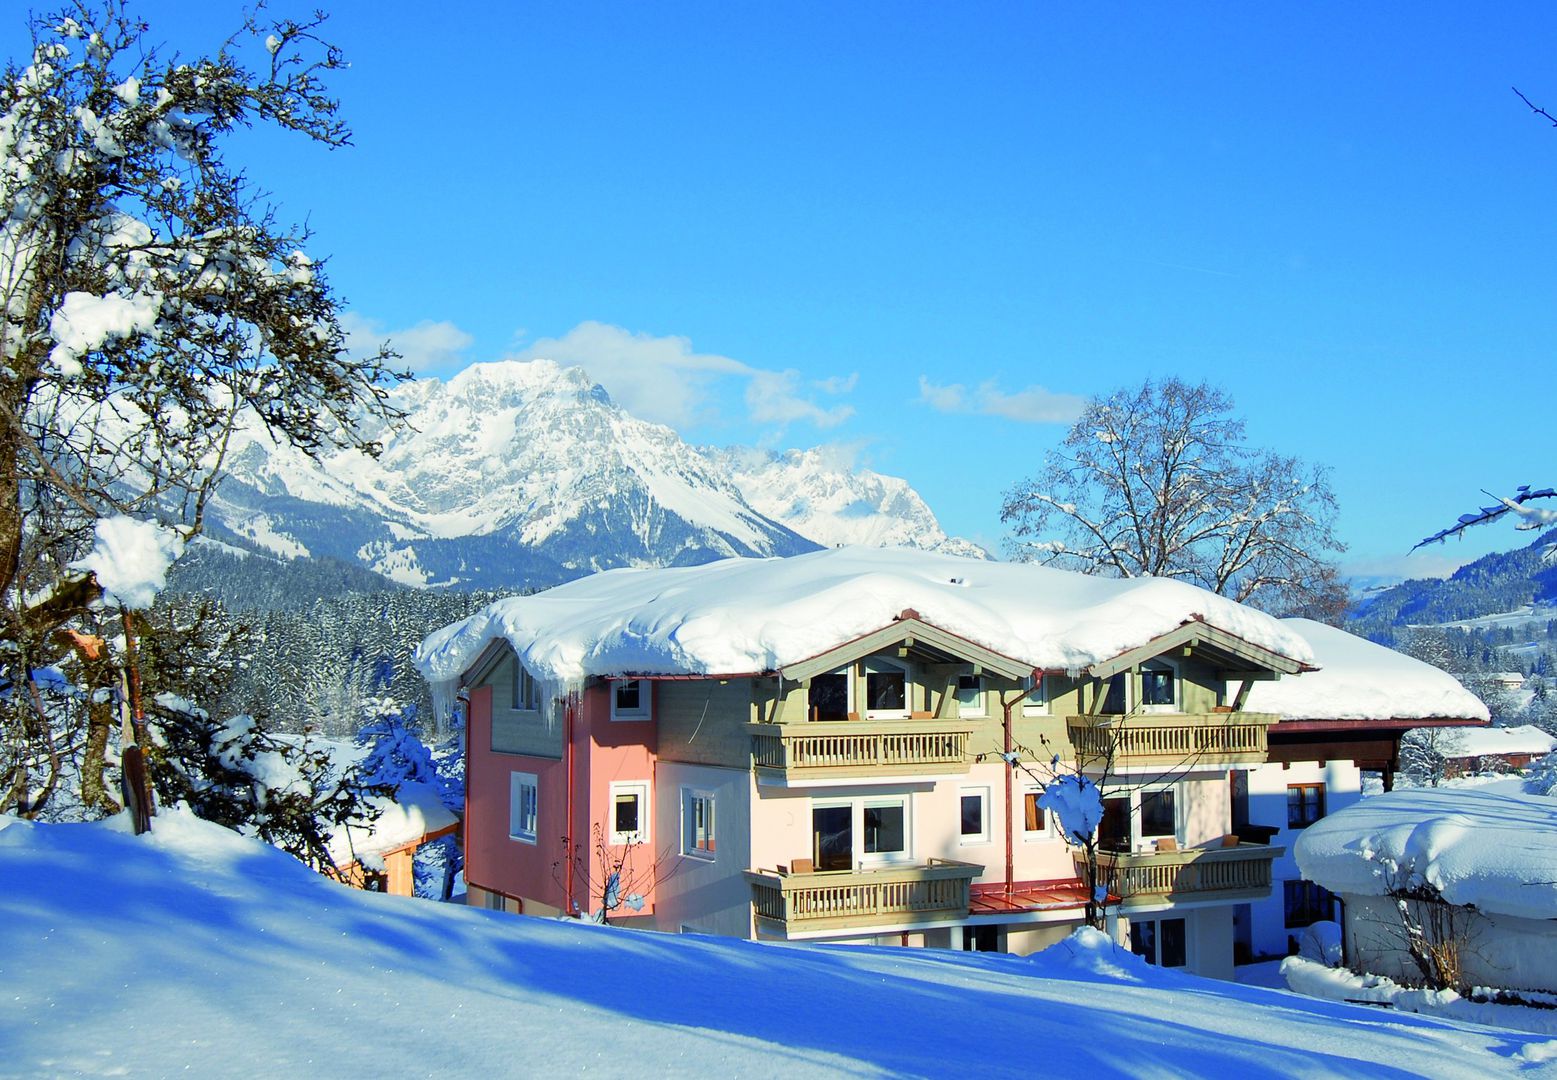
(858, 856)
(645, 707)
(1034, 835)
(889, 858)
(882, 666)
(689, 848)
(983, 837)
(639, 788)
(977, 707)
(1176, 678)
(523, 681)
(518, 784)
(1139, 839)
(1036, 703)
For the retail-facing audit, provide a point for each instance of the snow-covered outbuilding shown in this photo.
(1336, 723)
(1470, 751)
(1476, 868)
(851, 746)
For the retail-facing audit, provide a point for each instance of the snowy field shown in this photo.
(195, 952)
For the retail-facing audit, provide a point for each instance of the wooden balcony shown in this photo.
(1217, 874)
(935, 892)
(860, 748)
(1170, 740)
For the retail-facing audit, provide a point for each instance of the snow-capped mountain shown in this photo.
(527, 472)
(825, 500)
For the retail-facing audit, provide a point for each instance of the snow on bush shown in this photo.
(1077, 802)
(85, 323)
(130, 559)
(1321, 942)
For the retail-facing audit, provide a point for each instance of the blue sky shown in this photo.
(800, 224)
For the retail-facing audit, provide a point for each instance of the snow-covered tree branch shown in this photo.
(150, 302)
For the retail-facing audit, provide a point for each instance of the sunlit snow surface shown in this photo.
(195, 952)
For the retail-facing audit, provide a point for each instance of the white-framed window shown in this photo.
(1160, 690)
(847, 834)
(629, 812)
(830, 697)
(1036, 703)
(974, 807)
(886, 690)
(970, 695)
(1036, 824)
(697, 823)
(527, 692)
(524, 806)
(631, 699)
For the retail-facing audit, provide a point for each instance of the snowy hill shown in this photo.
(192, 951)
(835, 505)
(527, 472)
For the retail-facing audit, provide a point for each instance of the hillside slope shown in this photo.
(192, 951)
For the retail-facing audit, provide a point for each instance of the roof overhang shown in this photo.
(924, 639)
(1239, 658)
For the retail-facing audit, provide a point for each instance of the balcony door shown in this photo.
(832, 836)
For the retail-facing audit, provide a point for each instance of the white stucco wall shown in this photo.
(709, 896)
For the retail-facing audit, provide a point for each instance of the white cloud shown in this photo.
(1034, 405)
(773, 397)
(664, 380)
(1416, 564)
(423, 347)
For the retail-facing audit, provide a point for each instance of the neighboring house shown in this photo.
(1475, 869)
(1485, 750)
(849, 745)
(381, 854)
(1336, 723)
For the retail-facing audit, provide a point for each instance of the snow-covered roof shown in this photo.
(1478, 742)
(1494, 850)
(413, 813)
(748, 615)
(1360, 680)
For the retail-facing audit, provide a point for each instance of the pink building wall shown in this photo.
(604, 751)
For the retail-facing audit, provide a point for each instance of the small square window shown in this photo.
(1305, 804)
(629, 812)
(630, 699)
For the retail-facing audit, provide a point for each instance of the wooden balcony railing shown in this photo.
(1221, 873)
(934, 892)
(1170, 739)
(861, 747)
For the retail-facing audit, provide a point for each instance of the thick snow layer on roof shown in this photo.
(414, 812)
(1495, 850)
(1359, 680)
(1476, 742)
(192, 951)
(744, 615)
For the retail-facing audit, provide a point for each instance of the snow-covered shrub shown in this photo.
(1321, 942)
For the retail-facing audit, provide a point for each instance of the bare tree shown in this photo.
(149, 304)
(1159, 481)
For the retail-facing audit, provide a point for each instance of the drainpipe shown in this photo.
(567, 839)
(1010, 746)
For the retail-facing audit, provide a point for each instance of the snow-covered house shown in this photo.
(1475, 870)
(1469, 752)
(1335, 724)
(849, 746)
